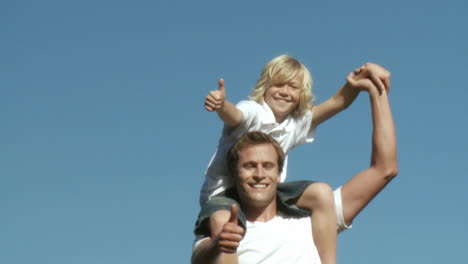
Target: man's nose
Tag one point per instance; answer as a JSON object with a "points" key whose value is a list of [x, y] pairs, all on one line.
{"points": [[259, 173]]}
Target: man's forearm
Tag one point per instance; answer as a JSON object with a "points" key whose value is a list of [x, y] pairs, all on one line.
{"points": [[207, 253], [384, 149]]}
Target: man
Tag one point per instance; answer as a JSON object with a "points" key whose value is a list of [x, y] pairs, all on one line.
{"points": [[274, 234]]}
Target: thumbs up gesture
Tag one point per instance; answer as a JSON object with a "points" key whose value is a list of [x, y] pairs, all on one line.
{"points": [[232, 233], [216, 98]]}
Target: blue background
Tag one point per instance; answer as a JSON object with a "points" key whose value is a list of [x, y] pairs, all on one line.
{"points": [[104, 139]]}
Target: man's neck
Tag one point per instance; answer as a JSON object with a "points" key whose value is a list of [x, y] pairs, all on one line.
{"points": [[260, 214]]}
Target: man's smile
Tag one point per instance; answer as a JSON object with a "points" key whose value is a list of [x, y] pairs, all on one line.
{"points": [[258, 185]]}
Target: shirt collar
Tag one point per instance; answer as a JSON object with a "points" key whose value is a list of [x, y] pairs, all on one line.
{"points": [[269, 119], [268, 116]]}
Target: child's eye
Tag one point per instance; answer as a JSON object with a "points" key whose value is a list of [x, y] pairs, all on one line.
{"points": [[294, 86]]}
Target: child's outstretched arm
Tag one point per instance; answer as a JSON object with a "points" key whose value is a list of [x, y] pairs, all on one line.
{"points": [[228, 112], [346, 95]]}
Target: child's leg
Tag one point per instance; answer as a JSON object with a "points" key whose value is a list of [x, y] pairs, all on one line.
{"points": [[318, 199]]}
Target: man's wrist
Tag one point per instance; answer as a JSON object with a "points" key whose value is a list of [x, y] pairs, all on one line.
{"points": [[374, 92], [206, 251]]}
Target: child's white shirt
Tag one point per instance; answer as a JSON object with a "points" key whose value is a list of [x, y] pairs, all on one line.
{"points": [[257, 117]]}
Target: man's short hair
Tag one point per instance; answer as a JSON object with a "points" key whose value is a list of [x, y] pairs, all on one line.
{"points": [[251, 139]]}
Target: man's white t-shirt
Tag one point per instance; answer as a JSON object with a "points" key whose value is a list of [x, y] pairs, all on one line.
{"points": [[283, 239]]}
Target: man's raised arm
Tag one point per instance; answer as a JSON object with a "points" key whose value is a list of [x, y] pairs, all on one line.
{"points": [[364, 186]]}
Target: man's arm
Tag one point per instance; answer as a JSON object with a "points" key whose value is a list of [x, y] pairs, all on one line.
{"points": [[364, 186], [208, 253], [228, 112], [221, 248], [205, 252]]}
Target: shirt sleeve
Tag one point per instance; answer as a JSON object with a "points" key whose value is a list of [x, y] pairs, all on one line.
{"points": [[341, 225], [250, 118]]}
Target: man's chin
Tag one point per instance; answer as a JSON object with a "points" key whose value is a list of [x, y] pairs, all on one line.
{"points": [[258, 200]]}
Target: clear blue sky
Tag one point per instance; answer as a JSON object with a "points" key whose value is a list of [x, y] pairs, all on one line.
{"points": [[104, 139]]}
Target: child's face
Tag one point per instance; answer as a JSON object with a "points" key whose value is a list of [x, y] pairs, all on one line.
{"points": [[283, 97]]}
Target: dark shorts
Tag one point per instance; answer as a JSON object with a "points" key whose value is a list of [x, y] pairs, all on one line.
{"points": [[287, 195]]}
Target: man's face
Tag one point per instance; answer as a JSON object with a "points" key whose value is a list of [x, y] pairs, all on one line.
{"points": [[258, 175]]}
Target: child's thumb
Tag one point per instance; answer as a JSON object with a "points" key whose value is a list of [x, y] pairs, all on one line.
{"points": [[234, 211]]}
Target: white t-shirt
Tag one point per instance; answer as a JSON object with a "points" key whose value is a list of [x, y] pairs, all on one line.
{"points": [[280, 240], [257, 117], [341, 225]]}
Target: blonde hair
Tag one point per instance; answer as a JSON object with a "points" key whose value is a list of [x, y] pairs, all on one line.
{"points": [[283, 69]]}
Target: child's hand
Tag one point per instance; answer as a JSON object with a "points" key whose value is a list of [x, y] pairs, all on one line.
{"points": [[215, 99], [363, 84], [377, 74]]}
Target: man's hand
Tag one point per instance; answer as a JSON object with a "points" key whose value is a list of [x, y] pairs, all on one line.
{"points": [[232, 233], [216, 98], [379, 76]]}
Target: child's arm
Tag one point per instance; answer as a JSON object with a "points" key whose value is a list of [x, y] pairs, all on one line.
{"points": [[228, 112], [335, 104], [347, 94]]}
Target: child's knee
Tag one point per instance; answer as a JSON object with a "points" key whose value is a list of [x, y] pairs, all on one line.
{"points": [[320, 189], [317, 194]]}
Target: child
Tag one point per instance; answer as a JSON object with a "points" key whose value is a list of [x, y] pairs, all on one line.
{"points": [[280, 105]]}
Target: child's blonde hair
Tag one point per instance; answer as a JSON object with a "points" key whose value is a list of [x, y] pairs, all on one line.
{"points": [[283, 69]]}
